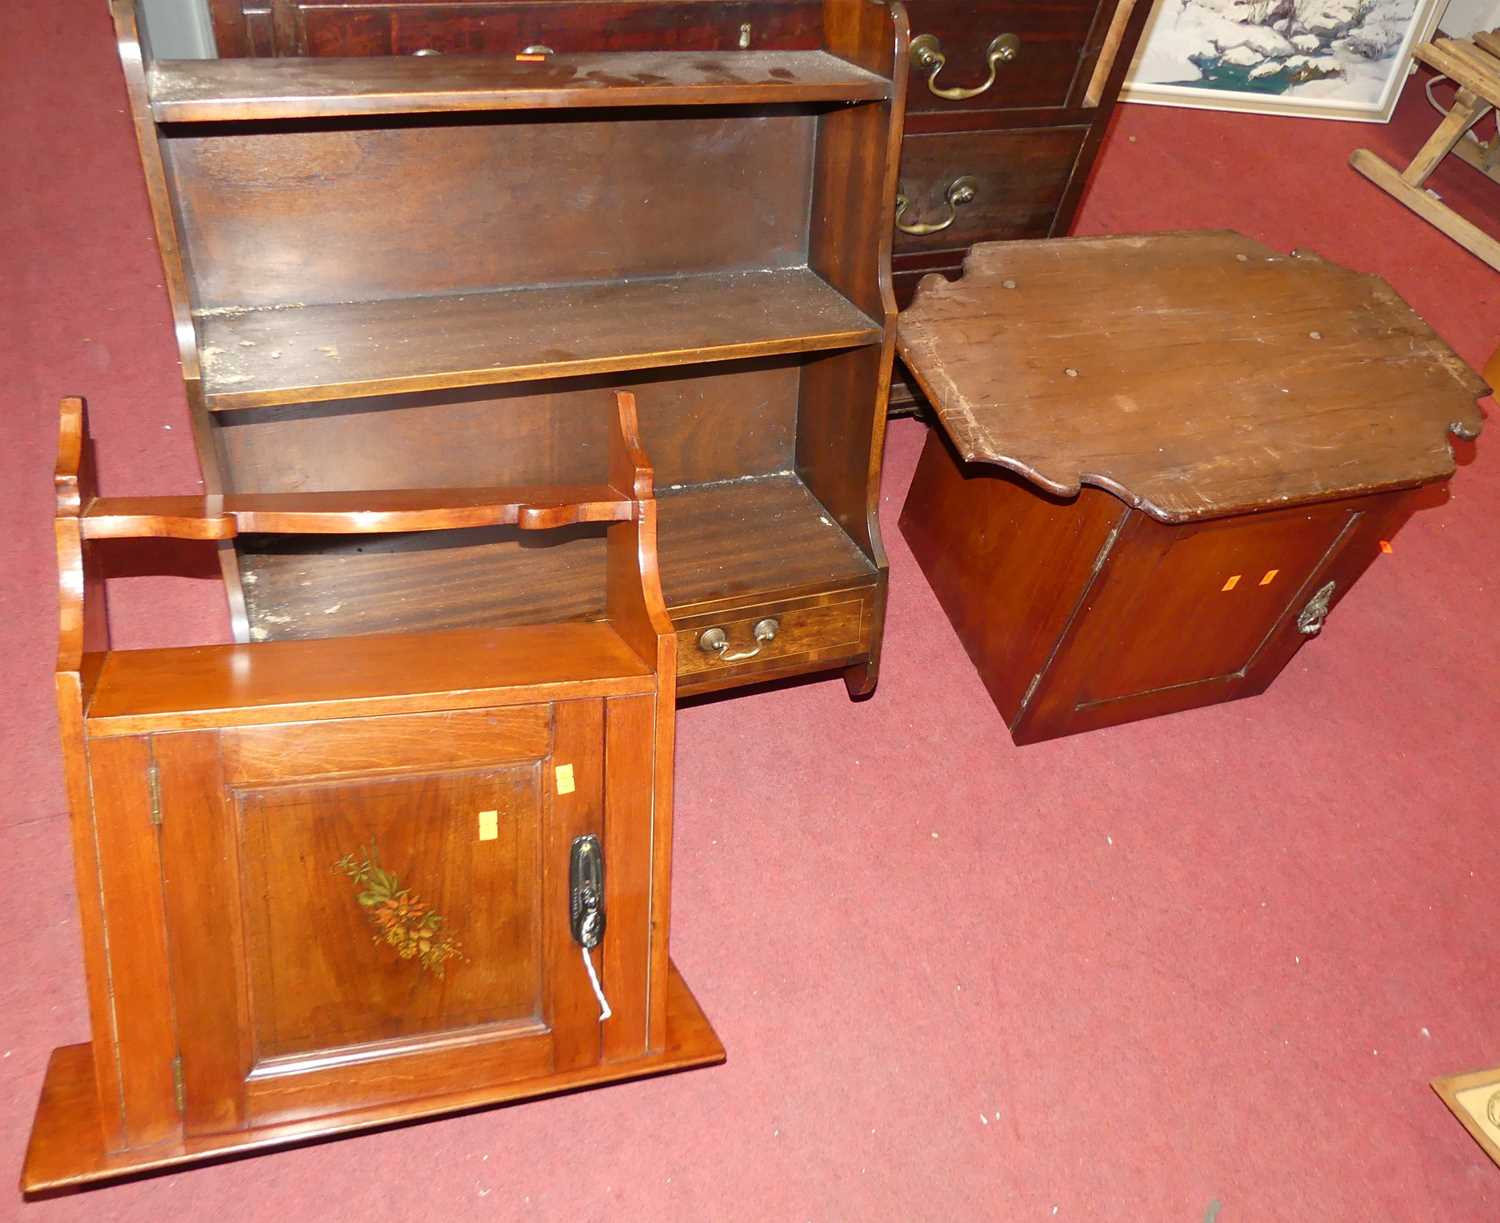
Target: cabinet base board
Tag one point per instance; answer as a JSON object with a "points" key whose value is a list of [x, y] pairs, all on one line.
{"points": [[66, 1150]]}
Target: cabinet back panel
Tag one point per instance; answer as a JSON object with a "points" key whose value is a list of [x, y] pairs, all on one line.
{"points": [[333, 212], [712, 422]]}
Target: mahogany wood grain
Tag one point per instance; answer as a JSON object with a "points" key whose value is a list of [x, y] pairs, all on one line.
{"points": [[189, 687], [744, 539], [449, 740], [437, 509], [198, 91], [1211, 469], [308, 943], [202, 878], [639, 785], [635, 912], [974, 532], [692, 421], [338, 893], [687, 224], [312, 353], [515, 1054], [64, 1152], [1047, 62], [1248, 635], [361, 27], [377, 219], [1020, 177], [632, 580], [824, 629], [83, 626], [573, 1013], [1032, 366], [854, 192], [141, 1036]]}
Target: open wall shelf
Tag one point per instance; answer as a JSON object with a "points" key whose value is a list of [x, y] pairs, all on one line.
{"points": [[258, 357], [213, 90], [418, 274]]}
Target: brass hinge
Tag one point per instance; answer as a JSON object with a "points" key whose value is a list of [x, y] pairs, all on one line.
{"points": [[179, 1088], [153, 784]]}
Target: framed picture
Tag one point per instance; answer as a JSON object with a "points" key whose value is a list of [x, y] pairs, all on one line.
{"points": [[1475, 1100], [1321, 59]]}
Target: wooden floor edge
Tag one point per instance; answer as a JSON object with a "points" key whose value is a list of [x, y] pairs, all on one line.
{"points": [[66, 1151]]}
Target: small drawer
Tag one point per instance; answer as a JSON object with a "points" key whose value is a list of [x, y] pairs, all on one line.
{"points": [[770, 637], [991, 56], [967, 187]]}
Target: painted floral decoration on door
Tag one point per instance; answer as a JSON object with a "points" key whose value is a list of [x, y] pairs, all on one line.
{"points": [[400, 918]]}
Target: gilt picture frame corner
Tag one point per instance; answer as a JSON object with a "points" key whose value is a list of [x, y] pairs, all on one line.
{"points": [[1474, 1098], [1313, 59]]}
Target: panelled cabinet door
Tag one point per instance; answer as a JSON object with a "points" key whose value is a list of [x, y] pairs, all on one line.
{"points": [[1212, 611], [345, 931]]}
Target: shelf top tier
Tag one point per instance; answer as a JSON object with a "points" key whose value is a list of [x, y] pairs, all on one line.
{"points": [[198, 91], [256, 358]]}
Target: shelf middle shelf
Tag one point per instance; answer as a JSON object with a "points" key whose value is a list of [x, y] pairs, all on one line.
{"points": [[261, 357]]}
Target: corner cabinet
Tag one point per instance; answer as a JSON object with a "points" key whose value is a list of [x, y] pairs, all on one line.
{"points": [[431, 271], [336, 883]]}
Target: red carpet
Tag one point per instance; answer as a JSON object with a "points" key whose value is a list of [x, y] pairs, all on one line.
{"points": [[1211, 959]]}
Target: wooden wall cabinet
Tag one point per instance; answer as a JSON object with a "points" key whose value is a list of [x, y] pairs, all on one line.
{"points": [[432, 271], [326, 884]]}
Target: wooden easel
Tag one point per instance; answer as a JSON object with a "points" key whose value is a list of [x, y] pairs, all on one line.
{"points": [[1474, 66]]}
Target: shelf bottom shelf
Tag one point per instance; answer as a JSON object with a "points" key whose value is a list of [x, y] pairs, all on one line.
{"points": [[66, 1150]]}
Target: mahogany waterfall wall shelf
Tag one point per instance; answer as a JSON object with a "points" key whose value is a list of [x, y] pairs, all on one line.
{"points": [[419, 272], [330, 884]]}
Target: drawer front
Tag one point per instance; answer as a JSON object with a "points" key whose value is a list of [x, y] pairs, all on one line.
{"points": [[1042, 44], [499, 28], [824, 629], [967, 187]]}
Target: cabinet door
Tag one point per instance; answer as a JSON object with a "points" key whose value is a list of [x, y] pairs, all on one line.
{"points": [[1186, 616], [377, 909]]}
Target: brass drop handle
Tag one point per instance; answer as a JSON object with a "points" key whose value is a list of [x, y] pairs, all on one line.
{"points": [[927, 55], [960, 191], [716, 641], [1310, 618]]}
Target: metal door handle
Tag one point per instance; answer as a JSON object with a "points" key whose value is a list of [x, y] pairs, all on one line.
{"points": [[927, 55], [1310, 618], [960, 191]]}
